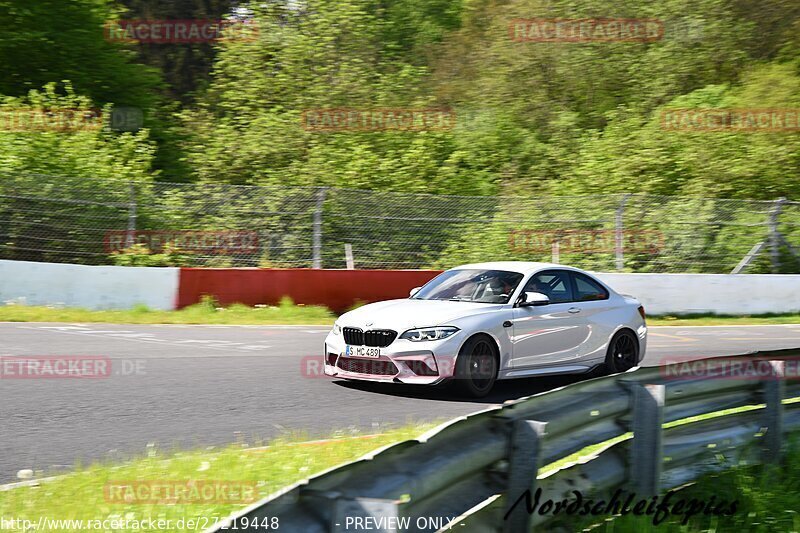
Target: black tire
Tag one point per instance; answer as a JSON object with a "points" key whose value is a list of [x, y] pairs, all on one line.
{"points": [[623, 352], [476, 367]]}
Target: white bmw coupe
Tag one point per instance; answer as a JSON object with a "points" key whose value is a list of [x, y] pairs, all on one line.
{"points": [[475, 324]]}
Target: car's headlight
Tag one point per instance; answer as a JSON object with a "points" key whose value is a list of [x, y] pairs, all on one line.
{"points": [[429, 334], [336, 328]]}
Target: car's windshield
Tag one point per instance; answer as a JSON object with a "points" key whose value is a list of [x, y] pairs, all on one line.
{"points": [[471, 285]]}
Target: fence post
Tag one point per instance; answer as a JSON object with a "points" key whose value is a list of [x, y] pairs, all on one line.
{"points": [[522, 470], [746, 260], [619, 233], [130, 238], [316, 252], [774, 391], [646, 448], [556, 253], [774, 235], [348, 256]]}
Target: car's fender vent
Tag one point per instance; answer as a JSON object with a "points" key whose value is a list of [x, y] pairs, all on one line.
{"points": [[421, 368]]}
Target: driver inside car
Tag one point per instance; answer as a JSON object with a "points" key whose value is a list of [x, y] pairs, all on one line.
{"points": [[496, 290]]}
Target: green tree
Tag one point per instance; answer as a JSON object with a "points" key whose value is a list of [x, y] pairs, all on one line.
{"points": [[637, 154], [184, 66], [50, 40], [64, 218], [248, 127]]}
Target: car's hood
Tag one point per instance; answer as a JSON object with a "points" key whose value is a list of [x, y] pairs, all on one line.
{"points": [[401, 315]]}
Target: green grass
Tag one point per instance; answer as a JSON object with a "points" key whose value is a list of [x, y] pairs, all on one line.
{"points": [[206, 312], [766, 496], [722, 320], [80, 494]]}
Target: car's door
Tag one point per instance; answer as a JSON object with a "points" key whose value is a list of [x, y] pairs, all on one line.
{"points": [[593, 300], [549, 333]]}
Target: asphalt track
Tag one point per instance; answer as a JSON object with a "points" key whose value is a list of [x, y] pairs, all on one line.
{"points": [[191, 386]]}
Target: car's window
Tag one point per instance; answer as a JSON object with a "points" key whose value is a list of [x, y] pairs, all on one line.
{"points": [[587, 289], [471, 285], [553, 283]]}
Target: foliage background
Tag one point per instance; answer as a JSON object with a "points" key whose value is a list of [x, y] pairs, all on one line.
{"points": [[533, 119]]}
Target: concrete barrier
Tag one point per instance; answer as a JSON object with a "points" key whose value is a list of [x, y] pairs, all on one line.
{"points": [[111, 287], [722, 294], [91, 287]]}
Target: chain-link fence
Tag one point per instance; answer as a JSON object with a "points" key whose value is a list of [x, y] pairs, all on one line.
{"points": [[44, 218]]}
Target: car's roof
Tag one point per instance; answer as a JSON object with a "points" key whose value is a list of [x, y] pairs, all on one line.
{"points": [[523, 267]]}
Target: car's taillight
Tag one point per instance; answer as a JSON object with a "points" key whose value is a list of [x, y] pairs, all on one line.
{"points": [[641, 312]]}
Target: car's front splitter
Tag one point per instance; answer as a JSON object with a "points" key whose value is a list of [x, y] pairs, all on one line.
{"points": [[418, 364]]}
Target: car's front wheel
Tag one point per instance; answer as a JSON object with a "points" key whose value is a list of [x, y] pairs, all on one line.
{"points": [[476, 367], [623, 352]]}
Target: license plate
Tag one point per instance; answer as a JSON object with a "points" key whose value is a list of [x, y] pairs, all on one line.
{"points": [[362, 351]]}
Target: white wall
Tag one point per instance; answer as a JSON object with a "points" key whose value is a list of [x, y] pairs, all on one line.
{"points": [[111, 287], [92, 287], [710, 293]]}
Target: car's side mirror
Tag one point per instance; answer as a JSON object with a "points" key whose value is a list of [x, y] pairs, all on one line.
{"points": [[530, 299], [413, 291]]}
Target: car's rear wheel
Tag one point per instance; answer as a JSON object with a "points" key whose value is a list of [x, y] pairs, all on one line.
{"points": [[623, 352], [476, 367]]}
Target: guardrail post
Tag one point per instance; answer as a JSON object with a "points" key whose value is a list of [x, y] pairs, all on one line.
{"points": [[522, 470], [646, 448], [774, 391]]}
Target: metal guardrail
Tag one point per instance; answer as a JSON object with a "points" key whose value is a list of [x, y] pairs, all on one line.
{"points": [[463, 471]]}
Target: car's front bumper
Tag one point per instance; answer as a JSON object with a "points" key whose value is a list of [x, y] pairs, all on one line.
{"points": [[403, 361]]}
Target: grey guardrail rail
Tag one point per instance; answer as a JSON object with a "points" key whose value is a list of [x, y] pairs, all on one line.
{"points": [[463, 472]]}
